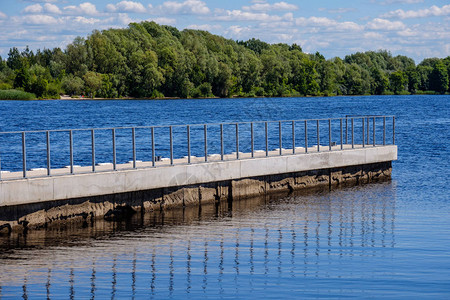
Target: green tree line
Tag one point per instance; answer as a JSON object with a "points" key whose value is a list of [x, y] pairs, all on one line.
{"points": [[152, 61]]}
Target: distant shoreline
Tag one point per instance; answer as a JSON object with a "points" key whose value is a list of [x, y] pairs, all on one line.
{"points": [[69, 98]]}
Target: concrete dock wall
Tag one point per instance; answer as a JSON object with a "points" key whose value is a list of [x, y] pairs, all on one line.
{"points": [[40, 201]]}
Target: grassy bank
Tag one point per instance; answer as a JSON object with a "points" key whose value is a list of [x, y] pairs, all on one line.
{"points": [[16, 95]]}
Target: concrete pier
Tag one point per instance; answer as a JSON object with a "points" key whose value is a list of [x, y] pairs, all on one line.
{"points": [[38, 201]]}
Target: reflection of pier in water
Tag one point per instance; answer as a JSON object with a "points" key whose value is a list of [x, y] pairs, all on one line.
{"points": [[213, 249]]}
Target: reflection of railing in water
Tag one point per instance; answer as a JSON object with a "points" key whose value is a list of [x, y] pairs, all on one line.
{"points": [[105, 149], [298, 238]]}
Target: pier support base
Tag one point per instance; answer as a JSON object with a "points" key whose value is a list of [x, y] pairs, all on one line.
{"points": [[44, 214]]}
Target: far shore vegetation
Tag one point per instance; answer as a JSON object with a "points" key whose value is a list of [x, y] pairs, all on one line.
{"points": [[147, 60], [16, 95]]}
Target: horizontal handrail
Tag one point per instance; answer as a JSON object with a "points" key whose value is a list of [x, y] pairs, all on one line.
{"points": [[368, 116], [195, 124]]}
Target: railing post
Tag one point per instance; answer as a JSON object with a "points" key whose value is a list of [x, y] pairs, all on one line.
{"points": [[47, 134], [342, 141], [24, 155], [221, 142], [0, 168], [318, 137], [114, 147], [153, 146], [267, 138], [368, 131], [133, 134], [384, 130], [171, 144], [353, 140], [280, 138], [293, 137], [252, 140], [363, 132], [373, 129], [71, 150], [306, 136], [393, 130], [205, 131], [346, 130], [237, 140], [329, 134], [188, 130], [93, 149]]}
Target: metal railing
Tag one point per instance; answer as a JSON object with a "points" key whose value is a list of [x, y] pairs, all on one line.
{"points": [[183, 144]]}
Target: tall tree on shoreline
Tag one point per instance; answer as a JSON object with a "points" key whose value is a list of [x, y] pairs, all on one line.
{"points": [[439, 78]]}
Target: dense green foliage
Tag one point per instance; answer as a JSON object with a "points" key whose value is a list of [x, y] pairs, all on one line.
{"points": [[149, 60], [16, 95]]}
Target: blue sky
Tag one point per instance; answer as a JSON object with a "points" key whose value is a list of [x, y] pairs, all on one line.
{"points": [[415, 28]]}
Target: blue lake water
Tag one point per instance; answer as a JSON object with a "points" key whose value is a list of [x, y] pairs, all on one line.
{"points": [[389, 240]]}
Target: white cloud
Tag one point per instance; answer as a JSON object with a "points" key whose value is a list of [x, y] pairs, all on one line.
{"points": [[85, 8], [237, 31], [84, 20], [348, 26], [52, 9], [117, 21], [38, 9], [239, 15], [340, 10], [447, 49], [43, 38], [3, 15], [111, 7], [124, 19], [373, 35], [281, 25], [270, 7], [40, 20], [42, 1], [408, 32], [401, 2], [285, 37], [424, 33], [195, 7], [317, 43], [88, 8], [164, 21], [383, 24], [433, 11], [315, 21], [33, 9], [127, 6], [206, 27], [328, 24]]}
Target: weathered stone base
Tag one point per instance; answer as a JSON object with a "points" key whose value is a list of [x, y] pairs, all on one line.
{"points": [[38, 215]]}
